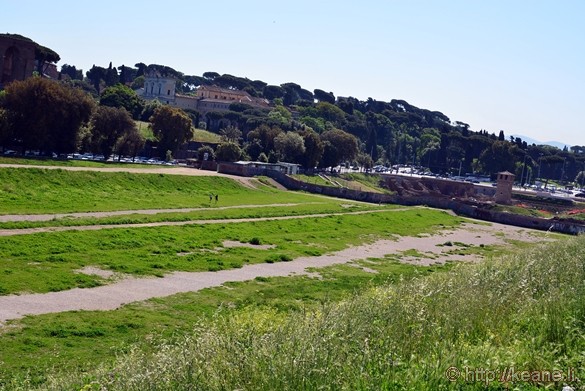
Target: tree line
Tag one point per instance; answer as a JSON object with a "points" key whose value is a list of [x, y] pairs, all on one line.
{"points": [[311, 128]]}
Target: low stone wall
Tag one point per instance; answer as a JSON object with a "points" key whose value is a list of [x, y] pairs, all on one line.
{"points": [[551, 225], [466, 209], [434, 199]]}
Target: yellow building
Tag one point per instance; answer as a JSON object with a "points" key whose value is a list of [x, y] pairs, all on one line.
{"points": [[208, 98]]}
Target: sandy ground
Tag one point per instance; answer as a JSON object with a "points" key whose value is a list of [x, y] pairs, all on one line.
{"points": [[124, 289]]}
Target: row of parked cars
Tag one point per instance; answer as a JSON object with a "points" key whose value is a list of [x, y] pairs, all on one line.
{"points": [[94, 157], [120, 159]]}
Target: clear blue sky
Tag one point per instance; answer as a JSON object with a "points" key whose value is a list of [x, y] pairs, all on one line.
{"points": [[512, 65]]}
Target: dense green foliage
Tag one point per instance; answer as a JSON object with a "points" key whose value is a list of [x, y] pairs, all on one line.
{"points": [[376, 132], [172, 127], [113, 128], [45, 115]]}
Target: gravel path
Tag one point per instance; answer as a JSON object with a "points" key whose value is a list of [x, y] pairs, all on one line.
{"points": [[130, 289], [49, 216], [29, 231]]}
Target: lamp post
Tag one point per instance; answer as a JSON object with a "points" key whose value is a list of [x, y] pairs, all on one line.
{"points": [[539, 163]]}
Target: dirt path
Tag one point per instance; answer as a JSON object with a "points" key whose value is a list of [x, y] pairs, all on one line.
{"points": [[130, 289], [49, 216], [29, 231]]}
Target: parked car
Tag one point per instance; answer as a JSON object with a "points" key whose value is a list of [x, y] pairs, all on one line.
{"points": [[582, 195]]}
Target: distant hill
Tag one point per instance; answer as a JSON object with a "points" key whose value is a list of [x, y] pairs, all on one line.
{"points": [[531, 141]]}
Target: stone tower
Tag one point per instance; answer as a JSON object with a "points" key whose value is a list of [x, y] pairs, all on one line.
{"points": [[504, 182], [17, 58]]}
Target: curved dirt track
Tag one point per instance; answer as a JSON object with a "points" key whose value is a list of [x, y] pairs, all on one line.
{"points": [[29, 231], [130, 289], [51, 216]]}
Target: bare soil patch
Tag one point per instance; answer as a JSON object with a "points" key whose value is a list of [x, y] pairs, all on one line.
{"points": [[90, 270], [233, 243]]}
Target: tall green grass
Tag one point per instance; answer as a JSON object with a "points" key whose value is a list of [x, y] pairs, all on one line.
{"points": [[524, 311]]}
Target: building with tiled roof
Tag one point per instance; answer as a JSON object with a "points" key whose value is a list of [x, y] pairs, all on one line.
{"points": [[208, 98]]}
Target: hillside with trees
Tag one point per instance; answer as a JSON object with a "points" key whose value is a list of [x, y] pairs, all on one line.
{"points": [[315, 129]]}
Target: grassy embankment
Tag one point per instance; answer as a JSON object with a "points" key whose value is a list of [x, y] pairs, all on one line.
{"points": [[28, 191], [200, 135], [354, 181], [36, 347]]}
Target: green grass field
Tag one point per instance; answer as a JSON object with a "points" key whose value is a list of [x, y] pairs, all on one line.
{"points": [[377, 324], [209, 212], [31, 190], [46, 262]]}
